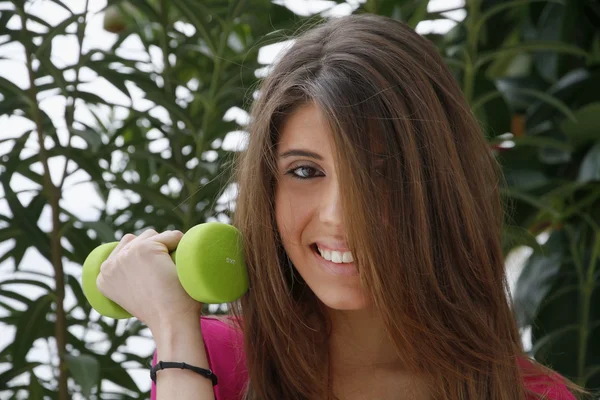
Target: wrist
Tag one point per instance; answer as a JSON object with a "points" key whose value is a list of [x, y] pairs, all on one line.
{"points": [[171, 331], [175, 322], [181, 341]]}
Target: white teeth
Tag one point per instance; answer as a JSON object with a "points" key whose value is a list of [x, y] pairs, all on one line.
{"points": [[348, 257], [337, 256]]}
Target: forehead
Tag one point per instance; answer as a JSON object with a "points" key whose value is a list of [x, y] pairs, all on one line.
{"points": [[305, 127]]}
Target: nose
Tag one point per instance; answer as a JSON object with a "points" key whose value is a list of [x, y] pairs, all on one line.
{"points": [[330, 212]]}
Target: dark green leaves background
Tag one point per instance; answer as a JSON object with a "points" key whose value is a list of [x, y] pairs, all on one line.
{"points": [[529, 69]]}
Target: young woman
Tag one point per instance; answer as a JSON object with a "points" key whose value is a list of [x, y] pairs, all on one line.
{"points": [[368, 201]]}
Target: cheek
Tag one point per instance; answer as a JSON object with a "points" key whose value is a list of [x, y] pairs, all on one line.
{"points": [[292, 214], [283, 214], [290, 210]]}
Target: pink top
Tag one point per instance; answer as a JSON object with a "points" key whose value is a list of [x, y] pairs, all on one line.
{"points": [[225, 350]]}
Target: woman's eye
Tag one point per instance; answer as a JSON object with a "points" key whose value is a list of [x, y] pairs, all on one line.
{"points": [[302, 172]]}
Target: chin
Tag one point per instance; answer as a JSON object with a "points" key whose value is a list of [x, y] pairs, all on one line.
{"points": [[336, 292], [342, 298]]}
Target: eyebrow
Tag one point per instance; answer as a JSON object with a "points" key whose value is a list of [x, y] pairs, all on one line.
{"points": [[300, 153]]}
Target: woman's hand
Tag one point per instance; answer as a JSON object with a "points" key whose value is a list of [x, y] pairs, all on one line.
{"points": [[141, 277]]}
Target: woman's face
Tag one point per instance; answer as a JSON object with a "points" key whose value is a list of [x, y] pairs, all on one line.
{"points": [[308, 211]]}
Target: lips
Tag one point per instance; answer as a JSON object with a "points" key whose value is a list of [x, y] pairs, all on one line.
{"points": [[334, 247]]}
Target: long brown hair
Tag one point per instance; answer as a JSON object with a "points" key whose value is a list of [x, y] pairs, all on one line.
{"points": [[425, 232]]}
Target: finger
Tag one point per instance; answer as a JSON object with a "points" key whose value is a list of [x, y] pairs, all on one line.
{"points": [[144, 235], [122, 243], [148, 233], [169, 238]]}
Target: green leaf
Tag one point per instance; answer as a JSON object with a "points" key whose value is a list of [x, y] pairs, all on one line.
{"points": [[78, 293], [59, 29], [514, 236], [525, 179], [503, 6], [10, 232], [28, 220], [48, 68], [536, 279], [81, 242], [591, 372], [553, 101], [9, 105], [542, 349], [558, 47], [116, 373], [418, 15], [10, 89], [29, 328], [9, 308], [587, 125], [115, 78], [27, 282], [553, 156], [91, 98], [590, 166], [17, 253], [92, 138], [549, 26], [196, 13], [563, 331], [15, 296], [530, 200], [89, 164], [535, 141], [154, 197], [85, 369], [484, 98], [15, 371], [151, 9], [36, 390], [161, 98], [492, 112], [576, 88], [104, 230], [165, 165], [143, 361], [61, 4], [133, 328]]}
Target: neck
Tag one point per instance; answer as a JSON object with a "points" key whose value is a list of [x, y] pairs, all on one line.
{"points": [[358, 341]]}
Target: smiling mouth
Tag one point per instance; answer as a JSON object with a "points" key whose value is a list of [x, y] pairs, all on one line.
{"points": [[333, 268], [330, 257]]}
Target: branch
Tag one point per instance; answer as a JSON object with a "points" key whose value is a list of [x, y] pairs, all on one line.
{"points": [[53, 197]]}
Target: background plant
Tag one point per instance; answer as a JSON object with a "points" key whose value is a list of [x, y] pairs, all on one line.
{"points": [[528, 68]]}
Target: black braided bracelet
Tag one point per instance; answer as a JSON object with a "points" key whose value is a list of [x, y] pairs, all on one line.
{"points": [[207, 373]]}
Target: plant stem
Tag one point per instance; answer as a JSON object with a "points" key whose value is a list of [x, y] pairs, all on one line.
{"points": [[587, 291], [471, 50], [164, 42], [70, 106], [53, 198], [176, 154], [208, 113]]}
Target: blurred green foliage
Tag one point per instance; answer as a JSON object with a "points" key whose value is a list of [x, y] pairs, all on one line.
{"points": [[529, 69]]}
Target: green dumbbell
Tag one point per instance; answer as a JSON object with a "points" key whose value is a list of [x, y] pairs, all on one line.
{"points": [[210, 265]]}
